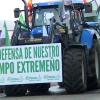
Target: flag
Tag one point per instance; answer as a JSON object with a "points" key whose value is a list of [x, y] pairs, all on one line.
{"points": [[87, 1], [22, 19], [5, 35], [30, 4]]}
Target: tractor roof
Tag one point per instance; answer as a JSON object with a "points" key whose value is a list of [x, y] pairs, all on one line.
{"points": [[47, 4]]}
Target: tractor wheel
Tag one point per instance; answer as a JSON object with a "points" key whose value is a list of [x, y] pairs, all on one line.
{"points": [[15, 90], [41, 88], [74, 69], [94, 64]]}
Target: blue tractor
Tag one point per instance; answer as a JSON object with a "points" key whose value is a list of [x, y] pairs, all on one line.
{"points": [[34, 32], [65, 24], [80, 48]]}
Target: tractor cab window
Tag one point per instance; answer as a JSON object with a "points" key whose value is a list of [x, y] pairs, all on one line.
{"points": [[43, 16]]}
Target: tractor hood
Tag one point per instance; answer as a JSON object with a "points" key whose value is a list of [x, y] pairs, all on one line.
{"points": [[39, 32]]}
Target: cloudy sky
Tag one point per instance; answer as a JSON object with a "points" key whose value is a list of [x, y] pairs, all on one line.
{"points": [[7, 7]]}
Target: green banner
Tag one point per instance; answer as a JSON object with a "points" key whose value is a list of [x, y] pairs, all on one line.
{"points": [[30, 64]]}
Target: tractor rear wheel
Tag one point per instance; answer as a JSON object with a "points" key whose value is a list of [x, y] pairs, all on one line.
{"points": [[74, 70], [94, 64]]}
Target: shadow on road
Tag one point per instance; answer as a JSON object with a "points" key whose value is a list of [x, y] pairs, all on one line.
{"points": [[55, 90]]}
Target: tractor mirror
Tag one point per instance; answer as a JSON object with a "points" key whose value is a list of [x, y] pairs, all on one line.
{"points": [[16, 12]]}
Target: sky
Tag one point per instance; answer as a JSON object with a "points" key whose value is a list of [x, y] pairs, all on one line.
{"points": [[7, 8]]}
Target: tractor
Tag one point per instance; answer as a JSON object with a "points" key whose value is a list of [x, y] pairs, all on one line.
{"points": [[32, 33], [80, 48], [64, 24]]}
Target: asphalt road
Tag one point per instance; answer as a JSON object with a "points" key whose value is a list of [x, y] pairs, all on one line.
{"points": [[57, 94]]}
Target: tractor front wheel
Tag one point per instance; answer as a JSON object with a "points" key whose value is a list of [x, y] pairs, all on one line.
{"points": [[94, 64], [74, 70]]}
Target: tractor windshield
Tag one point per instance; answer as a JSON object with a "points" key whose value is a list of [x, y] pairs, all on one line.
{"points": [[43, 16]]}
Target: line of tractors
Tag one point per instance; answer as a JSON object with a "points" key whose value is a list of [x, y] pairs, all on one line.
{"points": [[65, 23]]}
